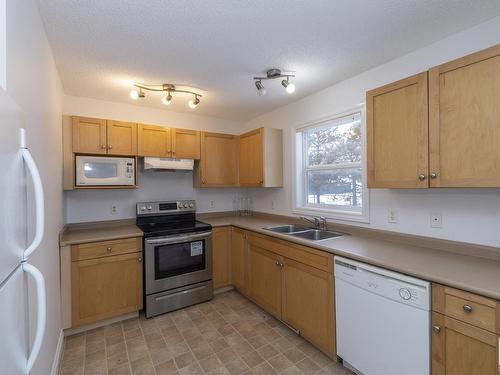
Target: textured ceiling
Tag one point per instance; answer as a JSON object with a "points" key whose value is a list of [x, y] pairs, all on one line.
{"points": [[101, 46]]}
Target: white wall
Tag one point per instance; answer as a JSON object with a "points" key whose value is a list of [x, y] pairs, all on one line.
{"points": [[33, 82], [469, 215], [95, 205]]}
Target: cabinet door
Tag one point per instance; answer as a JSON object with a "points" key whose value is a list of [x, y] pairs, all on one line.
{"points": [[461, 349], [264, 279], [185, 144], [238, 259], [105, 287], [221, 241], [153, 141], [122, 138], [464, 125], [397, 134], [89, 135], [308, 305], [219, 160], [252, 158]]}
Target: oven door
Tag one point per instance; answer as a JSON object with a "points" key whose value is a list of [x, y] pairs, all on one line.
{"points": [[177, 260]]}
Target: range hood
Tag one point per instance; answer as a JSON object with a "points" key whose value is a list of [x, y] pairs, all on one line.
{"points": [[168, 164]]}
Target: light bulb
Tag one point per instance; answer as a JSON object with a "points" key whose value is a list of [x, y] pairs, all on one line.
{"points": [[134, 94], [260, 88], [290, 88], [194, 103], [167, 99]]}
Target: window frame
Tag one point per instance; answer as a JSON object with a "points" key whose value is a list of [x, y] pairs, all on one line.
{"points": [[300, 181]]}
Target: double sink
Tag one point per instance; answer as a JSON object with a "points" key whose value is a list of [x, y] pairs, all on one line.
{"points": [[307, 233]]}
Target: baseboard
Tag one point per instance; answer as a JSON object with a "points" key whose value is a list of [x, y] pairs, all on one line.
{"points": [[57, 355], [102, 323], [223, 289]]}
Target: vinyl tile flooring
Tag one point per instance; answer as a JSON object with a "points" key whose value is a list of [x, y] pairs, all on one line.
{"points": [[227, 335]]}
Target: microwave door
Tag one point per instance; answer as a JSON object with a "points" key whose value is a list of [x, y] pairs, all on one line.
{"points": [[104, 171]]}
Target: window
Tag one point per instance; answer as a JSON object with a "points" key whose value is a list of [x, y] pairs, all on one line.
{"points": [[330, 175]]}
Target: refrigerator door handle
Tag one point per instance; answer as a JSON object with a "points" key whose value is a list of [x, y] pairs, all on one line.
{"points": [[39, 200], [41, 314]]}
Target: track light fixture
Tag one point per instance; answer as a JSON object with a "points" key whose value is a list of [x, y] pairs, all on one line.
{"points": [[273, 74], [167, 89]]}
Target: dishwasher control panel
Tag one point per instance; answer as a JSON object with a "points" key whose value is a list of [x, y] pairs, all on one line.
{"points": [[398, 287]]}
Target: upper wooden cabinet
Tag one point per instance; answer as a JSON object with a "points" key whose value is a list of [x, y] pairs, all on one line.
{"points": [[96, 136], [186, 144], [397, 129], [261, 158], [451, 142], [89, 135], [153, 141], [464, 118], [218, 165]]}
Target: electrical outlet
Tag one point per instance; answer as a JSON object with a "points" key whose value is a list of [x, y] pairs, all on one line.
{"points": [[114, 210], [392, 216], [436, 220], [212, 204]]}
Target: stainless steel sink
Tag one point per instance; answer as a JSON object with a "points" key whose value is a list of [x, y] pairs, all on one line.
{"points": [[316, 234], [290, 228]]}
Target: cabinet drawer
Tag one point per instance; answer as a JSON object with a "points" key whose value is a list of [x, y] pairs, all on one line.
{"points": [[467, 307], [105, 248]]}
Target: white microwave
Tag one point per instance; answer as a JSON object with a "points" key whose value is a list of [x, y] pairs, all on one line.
{"points": [[104, 171]]}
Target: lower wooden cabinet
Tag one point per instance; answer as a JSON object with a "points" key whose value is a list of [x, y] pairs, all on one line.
{"points": [[308, 303], [221, 260], [105, 286], [238, 259], [264, 279], [459, 348]]}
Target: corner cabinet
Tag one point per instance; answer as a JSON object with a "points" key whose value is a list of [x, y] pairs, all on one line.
{"points": [[261, 158], [452, 141], [465, 330], [218, 166]]}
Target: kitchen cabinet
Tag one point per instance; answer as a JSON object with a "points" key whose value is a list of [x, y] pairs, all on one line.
{"points": [[308, 305], [218, 166], [186, 144], [465, 330], [264, 279], [106, 280], [464, 121], [261, 158], [397, 134], [221, 246], [239, 259], [96, 136], [153, 141]]}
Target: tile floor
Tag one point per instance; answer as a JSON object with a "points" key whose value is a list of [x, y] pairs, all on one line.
{"points": [[228, 335]]}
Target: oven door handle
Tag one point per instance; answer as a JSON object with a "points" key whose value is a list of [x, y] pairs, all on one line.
{"points": [[178, 239]]}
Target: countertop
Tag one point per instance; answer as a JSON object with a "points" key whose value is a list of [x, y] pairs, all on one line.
{"points": [[476, 274]]}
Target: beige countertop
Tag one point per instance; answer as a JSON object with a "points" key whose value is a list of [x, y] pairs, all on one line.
{"points": [[471, 273], [458, 269]]}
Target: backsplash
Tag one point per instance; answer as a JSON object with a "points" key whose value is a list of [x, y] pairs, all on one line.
{"points": [[97, 205]]}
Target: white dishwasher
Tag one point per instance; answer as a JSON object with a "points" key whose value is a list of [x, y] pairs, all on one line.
{"points": [[382, 319]]}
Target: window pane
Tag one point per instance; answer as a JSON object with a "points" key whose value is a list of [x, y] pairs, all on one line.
{"points": [[340, 187], [337, 143]]}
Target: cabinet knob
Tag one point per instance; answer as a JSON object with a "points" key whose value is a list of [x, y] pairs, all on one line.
{"points": [[282, 265], [139, 260], [421, 177], [434, 175], [467, 308], [436, 329], [110, 147], [109, 248], [277, 263], [103, 147]]}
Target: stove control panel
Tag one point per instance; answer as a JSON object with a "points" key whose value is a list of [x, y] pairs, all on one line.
{"points": [[165, 207]]}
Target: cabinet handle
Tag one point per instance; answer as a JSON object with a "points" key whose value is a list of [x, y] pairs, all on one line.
{"points": [[110, 147], [277, 263], [434, 175], [421, 177], [436, 329], [282, 265], [103, 147], [139, 260], [109, 248], [467, 308]]}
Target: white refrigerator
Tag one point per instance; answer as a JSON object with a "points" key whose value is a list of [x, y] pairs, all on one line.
{"points": [[18, 351]]}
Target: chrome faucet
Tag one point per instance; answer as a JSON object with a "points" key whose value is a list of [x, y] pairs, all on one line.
{"points": [[318, 222]]}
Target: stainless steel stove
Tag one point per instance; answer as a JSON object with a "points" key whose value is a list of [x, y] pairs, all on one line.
{"points": [[177, 256]]}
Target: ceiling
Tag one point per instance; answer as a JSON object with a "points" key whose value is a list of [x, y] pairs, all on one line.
{"points": [[217, 46]]}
